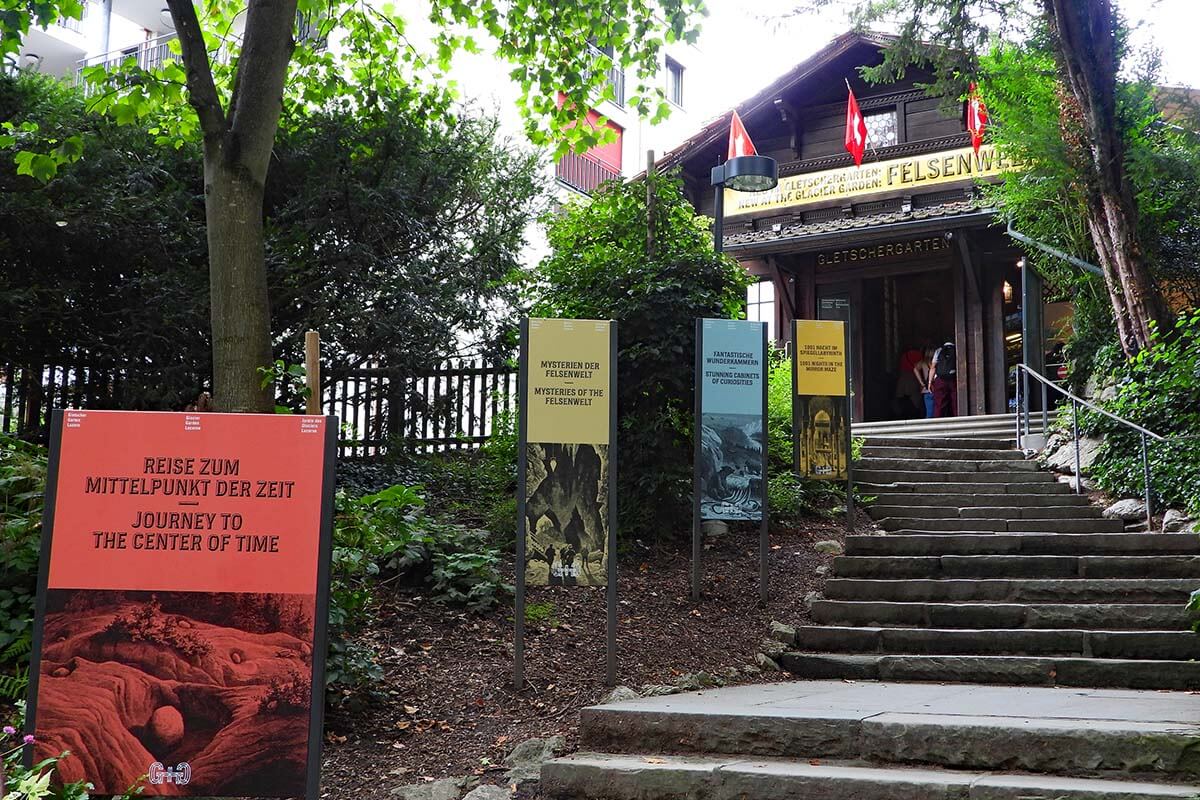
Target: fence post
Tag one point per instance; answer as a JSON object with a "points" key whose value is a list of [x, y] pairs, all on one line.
{"points": [[1146, 471], [1075, 433], [312, 371]]}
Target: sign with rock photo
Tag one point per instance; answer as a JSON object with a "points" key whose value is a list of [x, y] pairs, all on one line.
{"points": [[567, 407], [180, 630], [820, 411], [731, 445]]}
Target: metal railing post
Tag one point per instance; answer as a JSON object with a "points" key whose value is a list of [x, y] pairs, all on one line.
{"points": [[1025, 397], [1018, 404], [1045, 409], [1146, 470], [1075, 433]]}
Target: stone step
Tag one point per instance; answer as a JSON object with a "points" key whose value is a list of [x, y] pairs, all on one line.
{"points": [[666, 777], [1060, 590], [952, 478], [887, 449], [960, 727], [1111, 644], [1002, 525], [1112, 616], [881, 511], [927, 444], [950, 466], [1002, 427], [926, 488], [917, 544], [1017, 566], [978, 500], [1008, 670]]}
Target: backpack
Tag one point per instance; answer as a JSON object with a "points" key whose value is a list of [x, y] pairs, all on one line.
{"points": [[947, 361]]}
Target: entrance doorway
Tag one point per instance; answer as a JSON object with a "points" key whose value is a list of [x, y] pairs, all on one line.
{"points": [[901, 314]]}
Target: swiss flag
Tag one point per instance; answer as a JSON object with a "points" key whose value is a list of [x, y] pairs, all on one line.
{"points": [[977, 117], [739, 140], [856, 130]]}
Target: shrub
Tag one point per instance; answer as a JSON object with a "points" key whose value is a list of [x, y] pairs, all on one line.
{"points": [[389, 533], [599, 268], [147, 623], [1158, 389], [22, 482]]}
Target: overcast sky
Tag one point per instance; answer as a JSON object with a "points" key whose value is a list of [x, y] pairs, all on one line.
{"points": [[742, 51]]}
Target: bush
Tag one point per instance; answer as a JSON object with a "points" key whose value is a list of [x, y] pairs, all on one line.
{"points": [[22, 482], [1158, 389], [600, 269], [389, 533]]}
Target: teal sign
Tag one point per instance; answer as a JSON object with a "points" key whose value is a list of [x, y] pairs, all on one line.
{"points": [[732, 440]]}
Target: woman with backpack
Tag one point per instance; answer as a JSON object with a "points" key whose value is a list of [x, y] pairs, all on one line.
{"points": [[944, 381]]}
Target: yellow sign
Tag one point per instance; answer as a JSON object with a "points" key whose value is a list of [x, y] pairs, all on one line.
{"points": [[567, 398], [820, 357], [914, 172]]}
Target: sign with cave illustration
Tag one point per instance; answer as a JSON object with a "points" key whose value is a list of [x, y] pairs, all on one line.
{"points": [[730, 454], [821, 418], [568, 409], [180, 633]]}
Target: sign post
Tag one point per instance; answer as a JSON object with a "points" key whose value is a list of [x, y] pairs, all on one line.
{"points": [[730, 463], [821, 412], [182, 602], [566, 494]]}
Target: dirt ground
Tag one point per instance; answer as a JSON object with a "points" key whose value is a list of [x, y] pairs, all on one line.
{"points": [[447, 707]]}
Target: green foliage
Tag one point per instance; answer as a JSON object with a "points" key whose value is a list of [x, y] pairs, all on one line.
{"points": [[22, 482], [541, 613], [1158, 389], [600, 269], [110, 254], [388, 535]]}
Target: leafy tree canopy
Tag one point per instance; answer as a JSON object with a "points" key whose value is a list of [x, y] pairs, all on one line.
{"points": [[394, 236]]}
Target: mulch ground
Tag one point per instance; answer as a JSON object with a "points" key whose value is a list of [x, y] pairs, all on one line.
{"points": [[447, 707]]}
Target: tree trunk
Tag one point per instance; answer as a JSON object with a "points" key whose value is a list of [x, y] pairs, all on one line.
{"points": [[1088, 61], [240, 313], [237, 152]]}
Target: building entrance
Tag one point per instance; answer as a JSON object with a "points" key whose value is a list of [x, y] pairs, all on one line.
{"points": [[903, 318]]}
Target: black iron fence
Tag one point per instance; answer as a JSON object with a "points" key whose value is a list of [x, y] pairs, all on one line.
{"points": [[457, 405]]}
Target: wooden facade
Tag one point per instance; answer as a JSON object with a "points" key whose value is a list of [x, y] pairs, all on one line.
{"points": [[904, 247]]}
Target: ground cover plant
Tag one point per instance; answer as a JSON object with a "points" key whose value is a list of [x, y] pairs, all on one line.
{"points": [[1158, 389], [22, 482]]}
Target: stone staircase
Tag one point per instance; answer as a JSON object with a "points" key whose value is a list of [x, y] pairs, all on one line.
{"points": [[944, 659], [992, 571]]}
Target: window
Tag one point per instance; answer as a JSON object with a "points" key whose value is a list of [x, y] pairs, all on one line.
{"points": [[760, 305], [616, 73], [881, 128], [675, 82]]}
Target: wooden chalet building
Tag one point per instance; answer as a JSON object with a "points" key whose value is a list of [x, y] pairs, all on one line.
{"points": [[903, 247]]}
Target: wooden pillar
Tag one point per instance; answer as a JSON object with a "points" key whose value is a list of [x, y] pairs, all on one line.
{"points": [[997, 380], [961, 343], [806, 289]]}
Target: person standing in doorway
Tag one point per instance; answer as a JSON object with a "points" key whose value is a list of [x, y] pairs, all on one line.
{"points": [[944, 381], [924, 375]]}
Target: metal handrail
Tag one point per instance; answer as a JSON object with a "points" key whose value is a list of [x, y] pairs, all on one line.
{"points": [[1023, 375]]}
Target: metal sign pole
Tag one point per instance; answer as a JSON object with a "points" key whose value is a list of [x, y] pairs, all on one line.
{"points": [[764, 533], [849, 435], [697, 544], [612, 504], [522, 447]]}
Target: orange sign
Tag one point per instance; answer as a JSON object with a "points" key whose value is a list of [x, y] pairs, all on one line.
{"points": [[188, 502], [180, 632]]}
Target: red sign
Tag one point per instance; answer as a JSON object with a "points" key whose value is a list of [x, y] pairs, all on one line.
{"points": [[180, 632]]}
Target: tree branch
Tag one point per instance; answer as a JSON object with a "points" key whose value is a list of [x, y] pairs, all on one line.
{"points": [[202, 91], [257, 100]]}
